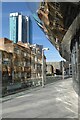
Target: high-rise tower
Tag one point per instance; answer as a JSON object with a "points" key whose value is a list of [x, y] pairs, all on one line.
{"points": [[19, 28]]}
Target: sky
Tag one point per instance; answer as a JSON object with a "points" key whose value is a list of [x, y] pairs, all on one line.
{"points": [[38, 36]]}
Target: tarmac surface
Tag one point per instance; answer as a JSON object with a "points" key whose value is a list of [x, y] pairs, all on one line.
{"points": [[55, 100]]}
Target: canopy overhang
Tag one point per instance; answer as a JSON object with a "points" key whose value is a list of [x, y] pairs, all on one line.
{"points": [[61, 20]]}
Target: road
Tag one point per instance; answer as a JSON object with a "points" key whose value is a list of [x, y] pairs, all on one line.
{"points": [[56, 100]]}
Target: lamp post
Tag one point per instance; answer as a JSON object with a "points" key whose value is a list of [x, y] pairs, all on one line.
{"points": [[43, 67], [69, 69], [63, 70]]}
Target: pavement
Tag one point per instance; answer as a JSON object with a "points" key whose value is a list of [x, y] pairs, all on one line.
{"points": [[55, 100]]}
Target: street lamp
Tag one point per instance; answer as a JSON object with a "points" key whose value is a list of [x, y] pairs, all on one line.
{"points": [[63, 70], [69, 68], [43, 67]]}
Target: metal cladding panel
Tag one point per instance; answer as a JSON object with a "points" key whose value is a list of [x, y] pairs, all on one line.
{"points": [[62, 23], [30, 31], [0, 73], [27, 18], [79, 68], [66, 42], [76, 64], [24, 29], [14, 14], [20, 28]]}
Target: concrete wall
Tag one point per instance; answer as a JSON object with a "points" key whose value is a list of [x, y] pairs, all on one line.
{"points": [[56, 65], [33, 82], [49, 79]]}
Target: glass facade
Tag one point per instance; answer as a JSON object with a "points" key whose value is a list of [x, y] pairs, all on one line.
{"points": [[30, 31], [19, 28], [24, 29], [14, 29], [76, 62]]}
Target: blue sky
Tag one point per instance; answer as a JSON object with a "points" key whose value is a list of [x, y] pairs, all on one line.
{"points": [[38, 36]]}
